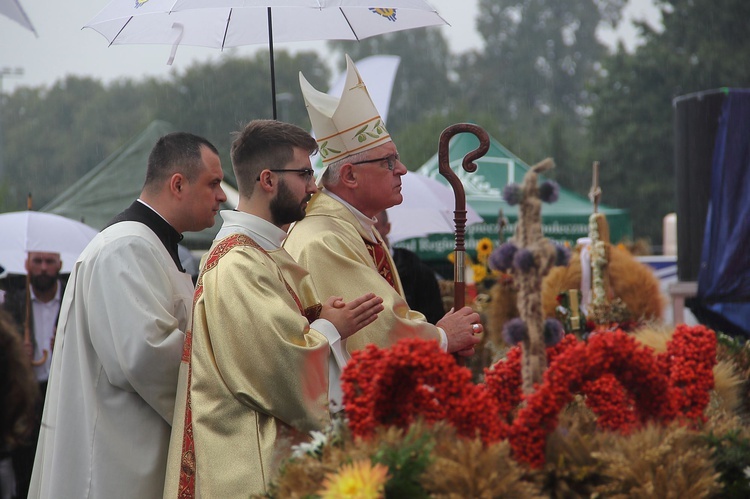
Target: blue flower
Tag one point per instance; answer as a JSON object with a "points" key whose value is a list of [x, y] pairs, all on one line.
{"points": [[549, 191], [562, 255], [553, 332], [512, 193], [502, 257], [523, 260], [514, 331]]}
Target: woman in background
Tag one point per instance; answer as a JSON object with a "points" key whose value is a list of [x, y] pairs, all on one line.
{"points": [[18, 396]]}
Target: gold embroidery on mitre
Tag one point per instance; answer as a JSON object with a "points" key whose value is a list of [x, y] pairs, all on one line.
{"points": [[344, 125]]}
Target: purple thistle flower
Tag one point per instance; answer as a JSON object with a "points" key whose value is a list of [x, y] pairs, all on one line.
{"points": [[514, 331], [553, 332], [562, 255], [523, 260], [549, 191], [512, 193], [502, 257]]}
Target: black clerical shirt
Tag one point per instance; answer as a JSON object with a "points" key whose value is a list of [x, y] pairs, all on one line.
{"points": [[139, 212]]}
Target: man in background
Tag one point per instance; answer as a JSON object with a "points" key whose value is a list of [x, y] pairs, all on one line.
{"points": [[110, 400], [337, 243], [421, 288], [36, 325]]}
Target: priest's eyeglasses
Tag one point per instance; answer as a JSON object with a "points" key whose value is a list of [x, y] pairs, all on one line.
{"points": [[391, 158], [306, 173]]}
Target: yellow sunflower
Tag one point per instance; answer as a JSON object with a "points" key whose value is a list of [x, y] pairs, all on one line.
{"points": [[480, 272], [360, 480], [484, 249]]}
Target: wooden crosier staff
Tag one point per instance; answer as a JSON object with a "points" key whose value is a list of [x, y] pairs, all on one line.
{"points": [[459, 214], [595, 194], [27, 321], [599, 221]]}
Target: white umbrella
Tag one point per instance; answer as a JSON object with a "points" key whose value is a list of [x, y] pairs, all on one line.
{"points": [[25, 231], [233, 23], [427, 209], [13, 10]]}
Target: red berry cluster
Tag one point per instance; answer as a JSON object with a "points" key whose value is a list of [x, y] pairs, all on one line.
{"points": [[689, 362], [415, 378], [625, 385]]}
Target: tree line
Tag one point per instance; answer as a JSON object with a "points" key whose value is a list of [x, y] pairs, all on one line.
{"points": [[542, 84]]}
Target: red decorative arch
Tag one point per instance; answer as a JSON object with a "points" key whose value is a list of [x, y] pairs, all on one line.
{"points": [[625, 384]]}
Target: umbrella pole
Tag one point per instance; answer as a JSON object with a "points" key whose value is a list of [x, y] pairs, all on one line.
{"points": [[459, 296], [27, 321], [27, 327], [273, 69]]}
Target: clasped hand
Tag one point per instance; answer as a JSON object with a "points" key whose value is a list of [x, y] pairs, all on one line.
{"points": [[348, 318]]}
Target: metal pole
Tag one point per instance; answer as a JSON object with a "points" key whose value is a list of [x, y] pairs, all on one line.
{"points": [[273, 69], [2, 151]]}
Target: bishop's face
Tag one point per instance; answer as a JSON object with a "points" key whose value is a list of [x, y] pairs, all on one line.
{"points": [[379, 179]]}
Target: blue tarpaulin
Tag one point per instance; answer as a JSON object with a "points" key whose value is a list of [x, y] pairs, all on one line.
{"points": [[723, 300]]}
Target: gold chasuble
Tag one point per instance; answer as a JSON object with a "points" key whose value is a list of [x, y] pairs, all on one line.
{"points": [[254, 376], [333, 246]]}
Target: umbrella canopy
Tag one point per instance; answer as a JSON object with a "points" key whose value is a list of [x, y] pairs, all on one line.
{"points": [[427, 209], [233, 23], [13, 10], [25, 231]]}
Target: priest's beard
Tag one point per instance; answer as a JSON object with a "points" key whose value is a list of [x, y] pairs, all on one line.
{"points": [[284, 208], [43, 282]]}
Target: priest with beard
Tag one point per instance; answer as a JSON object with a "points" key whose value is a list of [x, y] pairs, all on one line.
{"points": [[260, 368], [45, 291]]}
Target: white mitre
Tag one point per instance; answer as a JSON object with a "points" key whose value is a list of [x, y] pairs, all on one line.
{"points": [[344, 126]]}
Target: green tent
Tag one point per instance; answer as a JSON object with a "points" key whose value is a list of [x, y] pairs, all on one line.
{"points": [[113, 184], [565, 221]]}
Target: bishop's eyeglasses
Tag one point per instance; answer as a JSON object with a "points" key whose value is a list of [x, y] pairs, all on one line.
{"points": [[391, 159]]}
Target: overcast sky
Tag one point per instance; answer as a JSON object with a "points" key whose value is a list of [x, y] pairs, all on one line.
{"points": [[63, 48]]}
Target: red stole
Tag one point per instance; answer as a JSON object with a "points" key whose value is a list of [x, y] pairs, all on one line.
{"points": [[379, 254]]}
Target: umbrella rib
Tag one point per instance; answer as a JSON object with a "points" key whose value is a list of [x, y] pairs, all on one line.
{"points": [[121, 30], [350, 24], [226, 29]]}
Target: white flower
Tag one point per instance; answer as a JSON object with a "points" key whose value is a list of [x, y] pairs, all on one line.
{"points": [[318, 440], [315, 446]]}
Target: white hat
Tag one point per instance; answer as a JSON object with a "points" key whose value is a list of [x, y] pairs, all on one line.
{"points": [[344, 126]]}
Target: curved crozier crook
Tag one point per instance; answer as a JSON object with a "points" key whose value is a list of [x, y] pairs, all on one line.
{"points": [[459, 214]]}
